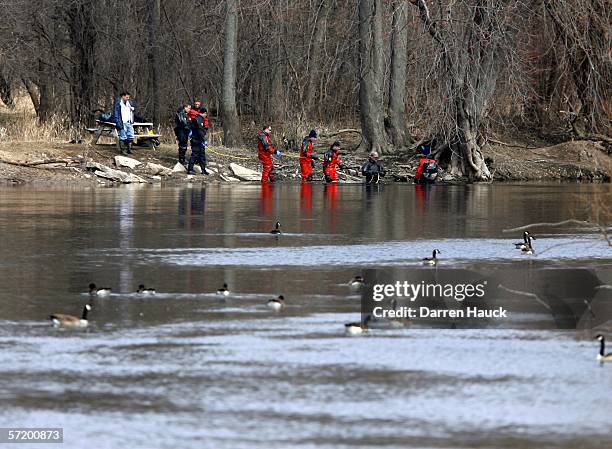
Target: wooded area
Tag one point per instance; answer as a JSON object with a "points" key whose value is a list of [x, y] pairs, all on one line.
{"points": [[410, 71]]}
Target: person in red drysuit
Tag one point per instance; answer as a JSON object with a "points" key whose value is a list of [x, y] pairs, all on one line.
{"points": [[427, 171], [331, 160], [306, 157], [265, 152], [193, 113]]}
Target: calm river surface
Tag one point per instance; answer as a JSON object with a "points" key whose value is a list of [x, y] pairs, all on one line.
{"points": [[184, 369]]}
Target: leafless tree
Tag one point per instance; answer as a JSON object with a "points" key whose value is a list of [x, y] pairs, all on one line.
{"points": [[371, 74], [229, 113], [398, 131]]}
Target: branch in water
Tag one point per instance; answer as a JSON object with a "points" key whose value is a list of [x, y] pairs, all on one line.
{"points": [[551, 225], [529, 295]]}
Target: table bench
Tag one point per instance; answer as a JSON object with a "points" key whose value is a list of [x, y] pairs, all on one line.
{"points": [[142, 132]]}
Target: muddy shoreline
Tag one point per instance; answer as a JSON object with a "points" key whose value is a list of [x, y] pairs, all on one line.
{"points": [[71, 164]]}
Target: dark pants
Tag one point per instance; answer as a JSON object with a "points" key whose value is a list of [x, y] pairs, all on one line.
{"points": [[371, 178], [198, 156], [182, 136]]}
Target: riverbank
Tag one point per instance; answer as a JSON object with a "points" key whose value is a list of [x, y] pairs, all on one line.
{"points": [[75, 164]]}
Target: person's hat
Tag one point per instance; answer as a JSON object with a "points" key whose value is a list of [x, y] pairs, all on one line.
{"points": [[312, 134], [374, 154]]}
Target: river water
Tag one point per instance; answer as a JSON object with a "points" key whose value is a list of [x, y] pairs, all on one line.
{"points": [[186, 369]]}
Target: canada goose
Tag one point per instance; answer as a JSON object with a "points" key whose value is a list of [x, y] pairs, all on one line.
{"points": [[525, 243], [60, 319], [521, 245], [432, 260], [98, 291], [357, 328], [602, 356], [528, 249], [276, 229], [223, 291], [356, 282], [145, 291], [276, 304]]}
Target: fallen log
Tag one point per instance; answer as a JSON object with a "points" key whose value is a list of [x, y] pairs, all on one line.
{"points": [[36, 164]]}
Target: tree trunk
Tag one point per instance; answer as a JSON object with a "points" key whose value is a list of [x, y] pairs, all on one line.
{"points": [[153, 58], [6, 91], [275, 96], [371, 75], [34, 94], [473, 164], [398, 132], [229, 114], [83, 40], [314, 60]]}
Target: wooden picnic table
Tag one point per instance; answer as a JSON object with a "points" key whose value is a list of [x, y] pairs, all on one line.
{"points": [[143, 132]]}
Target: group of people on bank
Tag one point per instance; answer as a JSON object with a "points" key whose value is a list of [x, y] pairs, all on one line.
{"points": [[372, 169], [191, 127], [192, 122]]}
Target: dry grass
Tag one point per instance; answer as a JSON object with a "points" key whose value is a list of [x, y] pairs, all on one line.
{"points": [[24, 127], [20, 124]]}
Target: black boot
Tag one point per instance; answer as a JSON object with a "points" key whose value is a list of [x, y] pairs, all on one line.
{"points": [[190, 168], [129, 147], [181, 155], [203, 167], [122, 145]]}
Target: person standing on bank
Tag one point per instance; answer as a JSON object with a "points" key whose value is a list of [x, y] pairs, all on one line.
{"points": [[181, 130], [123, 112], [372, 169], [199, 128], [331, 160], [265, 150], [306, 157]]}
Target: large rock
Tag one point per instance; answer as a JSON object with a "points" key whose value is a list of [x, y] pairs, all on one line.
{"points": [[245, 174], [122, 161], [178, 168], [156, 169], [104, 171], [228, 178]]}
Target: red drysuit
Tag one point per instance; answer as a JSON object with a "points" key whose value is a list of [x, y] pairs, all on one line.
{"points": [[422, 175], [265, 152], [306, 161], [331, 160]]}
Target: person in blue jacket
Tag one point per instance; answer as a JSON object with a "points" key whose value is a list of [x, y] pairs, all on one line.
{"points": [[123, 113], [199, 128]]}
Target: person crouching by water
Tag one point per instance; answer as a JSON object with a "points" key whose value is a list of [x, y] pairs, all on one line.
{"points": [[181, 130], [123, 113], [372, 169], [331, 163], [306, 157], [427, 171], [265, 150], [199, 128]]}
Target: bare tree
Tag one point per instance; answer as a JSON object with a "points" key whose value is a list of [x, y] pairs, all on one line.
{"points": [[472, 38], [371, 75], [398, 132], [153, 58], [229, 113], [581, 33]]}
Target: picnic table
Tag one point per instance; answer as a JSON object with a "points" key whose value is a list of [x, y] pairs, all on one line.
{"points": [[144, 133]]}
